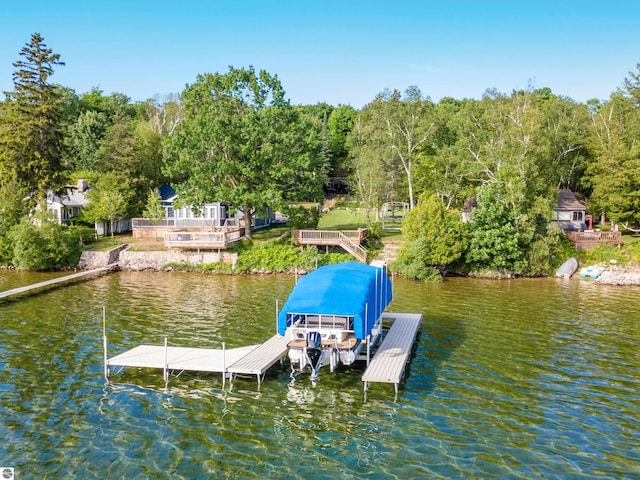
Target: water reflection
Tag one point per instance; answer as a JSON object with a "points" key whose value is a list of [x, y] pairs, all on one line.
{"points": [[518, 379]]}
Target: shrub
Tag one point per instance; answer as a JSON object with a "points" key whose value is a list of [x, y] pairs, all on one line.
{"points": [[42, 244]]}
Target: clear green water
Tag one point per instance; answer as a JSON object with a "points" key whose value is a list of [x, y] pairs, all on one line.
{"points": [[510, 379]]}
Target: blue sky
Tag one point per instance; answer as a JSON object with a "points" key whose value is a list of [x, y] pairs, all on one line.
{"points": [[341, 52]]}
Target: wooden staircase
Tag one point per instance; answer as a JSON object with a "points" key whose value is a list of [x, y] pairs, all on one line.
{"points": [[349, 240]]}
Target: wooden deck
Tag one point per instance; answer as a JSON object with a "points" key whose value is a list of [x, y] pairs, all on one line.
{"points": [[349, 240], [203, 240], [390, 360], [591, 239]]}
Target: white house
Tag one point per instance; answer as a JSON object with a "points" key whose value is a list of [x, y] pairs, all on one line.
{"points": [[66, 206], [208, 216]]}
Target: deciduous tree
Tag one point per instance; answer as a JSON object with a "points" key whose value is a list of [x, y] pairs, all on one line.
{"points": [[241, 143]]}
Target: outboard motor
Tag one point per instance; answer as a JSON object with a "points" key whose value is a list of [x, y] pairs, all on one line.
{"points": [[313, 340], [314, 352]]}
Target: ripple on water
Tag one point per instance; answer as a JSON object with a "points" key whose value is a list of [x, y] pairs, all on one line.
{"points": [[516, 379]]}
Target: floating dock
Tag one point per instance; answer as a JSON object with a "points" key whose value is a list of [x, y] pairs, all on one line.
{"points": [[391, 357]]}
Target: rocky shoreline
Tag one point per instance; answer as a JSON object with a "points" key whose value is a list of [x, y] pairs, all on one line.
{"points": [[124, 259], [619, 277]]}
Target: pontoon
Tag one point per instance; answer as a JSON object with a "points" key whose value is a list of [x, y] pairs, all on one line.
{"points": [[333, 314]]}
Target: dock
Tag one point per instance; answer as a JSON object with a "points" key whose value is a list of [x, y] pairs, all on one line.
{"points": [[387, 365], [260, 359], [54, 281], [391, 357], [247, 360]]}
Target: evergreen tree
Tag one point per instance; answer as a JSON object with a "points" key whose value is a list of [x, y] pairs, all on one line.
{"points": [[31, 134]]}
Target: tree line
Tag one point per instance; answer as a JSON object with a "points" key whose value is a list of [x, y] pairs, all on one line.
{"points": [[233, 137]]}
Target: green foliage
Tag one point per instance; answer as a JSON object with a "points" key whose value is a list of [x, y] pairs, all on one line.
{"points": [[241, 143], [414, 269], [31, 132], [42, 244], [493, 235], [301, 216], [603, 254], [276, 257], [435, 239], [153, 209], [109, 199], [86, 138]]}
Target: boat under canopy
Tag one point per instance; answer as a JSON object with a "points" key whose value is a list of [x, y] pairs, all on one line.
{"points": [[345, 290]]}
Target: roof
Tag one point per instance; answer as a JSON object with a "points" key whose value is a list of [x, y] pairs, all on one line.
{"points": [[345, 289], [72, 198], [568, 201]]}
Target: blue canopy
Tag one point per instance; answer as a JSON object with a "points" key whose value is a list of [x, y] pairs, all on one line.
{"points": [[345, 289]]}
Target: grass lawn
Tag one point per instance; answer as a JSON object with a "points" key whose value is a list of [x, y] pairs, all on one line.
{"points": [[343, 219]]}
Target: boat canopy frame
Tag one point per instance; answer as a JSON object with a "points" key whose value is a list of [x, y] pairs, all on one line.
{"points": [[348, 289]]}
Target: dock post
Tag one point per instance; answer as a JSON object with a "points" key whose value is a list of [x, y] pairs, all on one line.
{"points": [[368, 349], [104, 344], [166, 364]]}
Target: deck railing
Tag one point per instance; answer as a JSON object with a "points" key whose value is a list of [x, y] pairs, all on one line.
{"points": [[585, 239], [193, 240], [347, 239]]}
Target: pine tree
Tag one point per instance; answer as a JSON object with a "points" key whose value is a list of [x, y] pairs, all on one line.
{"points": [[31, 130]]}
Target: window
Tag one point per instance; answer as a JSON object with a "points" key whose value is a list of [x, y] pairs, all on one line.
{"points": [[577, 216]]}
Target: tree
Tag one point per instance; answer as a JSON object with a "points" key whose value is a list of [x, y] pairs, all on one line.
{"points": [[86, 137], [339, 124], [241, 143], [494, 235], [436, 238], [408, 128], [154, 210], [109, 199], [31, 133], [614, 172], [368, 165]]}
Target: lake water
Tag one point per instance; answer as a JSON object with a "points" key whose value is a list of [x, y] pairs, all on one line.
{"points": [[510, 379]]}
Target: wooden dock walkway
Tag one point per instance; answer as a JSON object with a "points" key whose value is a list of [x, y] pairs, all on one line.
{"points": [[54, 281], [390, 360]]}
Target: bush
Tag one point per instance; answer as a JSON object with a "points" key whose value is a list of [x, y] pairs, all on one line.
{"points": [[416, 270], [42, 244], [276, 257], [302, 217]]}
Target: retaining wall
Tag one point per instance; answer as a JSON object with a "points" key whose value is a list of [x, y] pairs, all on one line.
{"points": [[155, 260]]}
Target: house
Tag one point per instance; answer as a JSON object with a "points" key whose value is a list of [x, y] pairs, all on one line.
{"points": [[570, 213], [210, 215], [66, 206], [213, 217]]}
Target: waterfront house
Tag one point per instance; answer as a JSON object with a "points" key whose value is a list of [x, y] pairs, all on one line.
{"points": [[68, 204], [570, 213]]}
